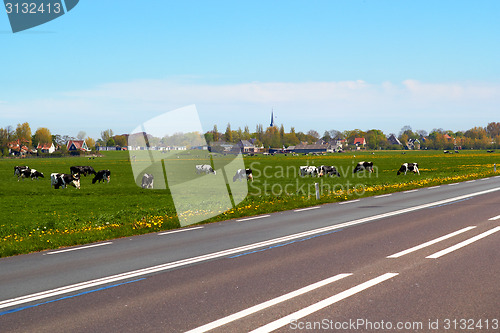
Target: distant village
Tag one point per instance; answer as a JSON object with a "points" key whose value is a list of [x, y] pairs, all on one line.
{"points": [[272, 140]]}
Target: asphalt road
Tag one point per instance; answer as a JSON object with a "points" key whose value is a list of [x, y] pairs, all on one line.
{"points": [[417, 261]]}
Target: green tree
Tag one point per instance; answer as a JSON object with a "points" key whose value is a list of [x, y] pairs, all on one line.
{"points": [[215, 133], [43, 135], [326, 136], [228, 136], [120, 140], [246, 133], [23, 133], [375, 139], [90, 143], [111, 142]]}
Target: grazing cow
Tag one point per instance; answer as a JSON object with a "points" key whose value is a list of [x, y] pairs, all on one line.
{"points": [[18, 170], [363, 166], [33, 174], [102, 175], [204, 168], [147, 180], [308, 170], [25, 173], [62, 180], [243, 173], [82, 170], [405, 167], [328, 170]]}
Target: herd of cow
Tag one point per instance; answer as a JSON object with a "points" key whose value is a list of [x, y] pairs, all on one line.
{"points": [[325, 170], [58, 180]]}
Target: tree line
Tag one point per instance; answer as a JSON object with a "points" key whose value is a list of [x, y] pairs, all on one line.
{"points": [[272, 137], [23, 136]]}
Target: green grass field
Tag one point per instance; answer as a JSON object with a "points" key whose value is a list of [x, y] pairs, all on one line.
{"points": [[35, 216]]}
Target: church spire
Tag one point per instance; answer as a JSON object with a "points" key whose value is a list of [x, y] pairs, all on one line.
{"points": [[272, 118]]}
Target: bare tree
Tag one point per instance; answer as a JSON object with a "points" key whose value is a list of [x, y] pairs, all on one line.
{"points": [[106, 135], [81, 135], [313, 133]]}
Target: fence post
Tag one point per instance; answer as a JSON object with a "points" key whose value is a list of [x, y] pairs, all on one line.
{"points": [[316, 185], [495, 167]]}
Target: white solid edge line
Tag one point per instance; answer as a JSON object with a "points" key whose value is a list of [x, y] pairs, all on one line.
{"points": [[322, 304], [264, 305], [79, 248], [462, 244], [434, 241], [383, 196], [494, 218], [223, 253], [309, 208], [253, 218], [180, 230], [410, 191], [348, 202]]}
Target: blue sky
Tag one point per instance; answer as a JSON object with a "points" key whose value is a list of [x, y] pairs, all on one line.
{"points": [[320, 64]]}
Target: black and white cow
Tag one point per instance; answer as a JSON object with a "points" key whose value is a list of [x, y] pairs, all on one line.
{"points": [[147, 180], [363, 166], [30, 173], [328, 170], [308, 170], [82, 170], [18, 170], [62, 180], [204, 168], [243, 173], [405, 167], [102, 175]]}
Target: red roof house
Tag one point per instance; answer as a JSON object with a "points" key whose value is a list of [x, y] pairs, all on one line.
{"points": [[360, 141], [46, 147], [75, 145]]}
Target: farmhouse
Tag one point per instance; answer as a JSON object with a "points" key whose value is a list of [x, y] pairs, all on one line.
{"points": [[246, 146], [46, 147], [393, 140], [305, 148], [77, 145], [220, 147], [413, 144], [17, 148], [360, 143]]}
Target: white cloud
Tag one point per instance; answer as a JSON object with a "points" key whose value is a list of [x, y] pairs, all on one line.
{"points": [[319, 105]]}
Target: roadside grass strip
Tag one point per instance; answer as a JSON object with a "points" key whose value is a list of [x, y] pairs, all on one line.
{"points": [[429, 243], [323, 304], [225, 253], [264, 305], [463, 244]]}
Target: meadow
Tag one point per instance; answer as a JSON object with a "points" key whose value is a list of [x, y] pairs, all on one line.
{"points": [[36, 217]]}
